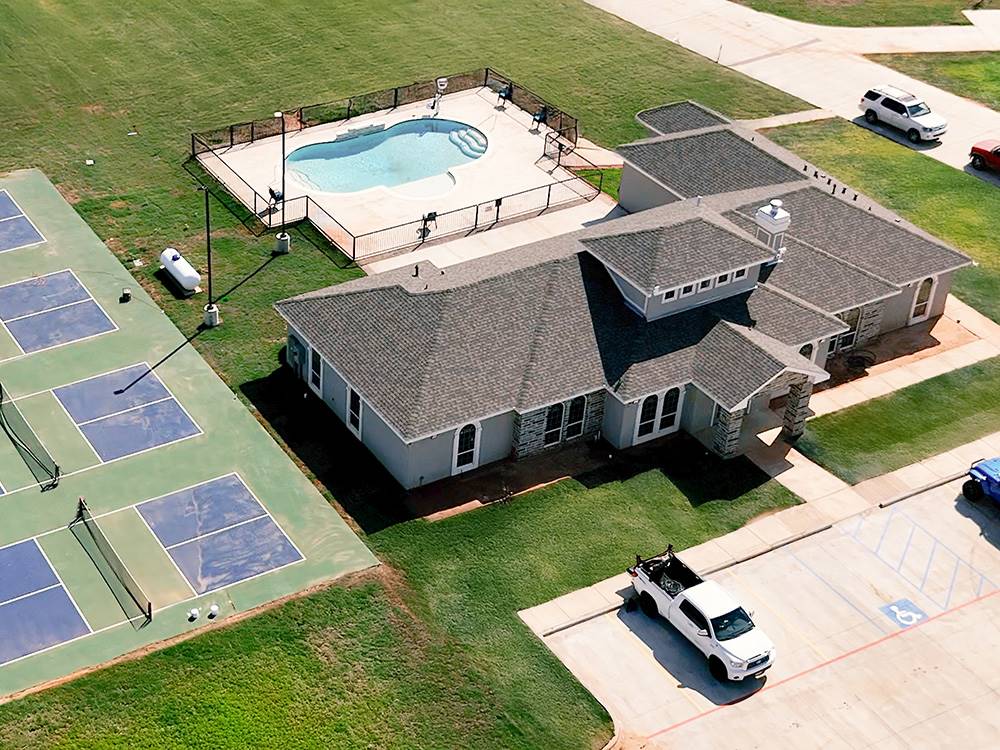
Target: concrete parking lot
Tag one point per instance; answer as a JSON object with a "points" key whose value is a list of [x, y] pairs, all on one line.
{"points": [[886, 630]]}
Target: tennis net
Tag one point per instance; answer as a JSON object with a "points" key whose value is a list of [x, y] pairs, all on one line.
{"points": [[122, 583], [38, 460]]}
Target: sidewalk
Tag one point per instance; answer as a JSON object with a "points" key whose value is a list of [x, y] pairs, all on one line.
{"points": [[885, 378], [824, 65], [826, 500]]}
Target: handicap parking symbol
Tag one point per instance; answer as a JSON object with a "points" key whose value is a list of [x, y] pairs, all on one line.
{"points": [[904, 613]]}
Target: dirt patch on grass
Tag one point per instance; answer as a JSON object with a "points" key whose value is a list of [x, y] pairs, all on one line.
{"points": [[93, 109]]}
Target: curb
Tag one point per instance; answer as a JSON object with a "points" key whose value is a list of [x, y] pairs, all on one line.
{"points": [[929, 486]]}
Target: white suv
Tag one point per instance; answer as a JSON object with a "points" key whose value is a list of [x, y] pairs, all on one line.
{"points": [[904, 111]]}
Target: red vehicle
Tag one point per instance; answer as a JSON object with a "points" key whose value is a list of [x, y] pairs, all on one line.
{"points": [[986, 155]]}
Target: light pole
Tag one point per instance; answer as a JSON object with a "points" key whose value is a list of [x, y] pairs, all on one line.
{"points": [[212, 317], [283, 239]]}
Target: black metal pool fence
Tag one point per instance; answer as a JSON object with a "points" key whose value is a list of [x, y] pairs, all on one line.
{"points": [[211, 144]]}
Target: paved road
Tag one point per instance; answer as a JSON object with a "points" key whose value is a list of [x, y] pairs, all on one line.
{"points": [[886, 632], [824, 65]]}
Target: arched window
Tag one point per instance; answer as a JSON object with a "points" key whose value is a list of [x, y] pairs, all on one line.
{"points": [[668, 414], [922, 302], [466, 452], [647, 415], [574, 420], [553, 424], [807, 351]]}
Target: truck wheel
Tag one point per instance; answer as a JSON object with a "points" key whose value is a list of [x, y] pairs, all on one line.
{"points": [[647, 604], [870, 117], [978, 163], [913, 135], [973, 491], [718, 669]]}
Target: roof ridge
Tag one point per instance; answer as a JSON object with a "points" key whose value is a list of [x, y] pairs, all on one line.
{"points": [[805, 304], [826, 253], [543, 315]]}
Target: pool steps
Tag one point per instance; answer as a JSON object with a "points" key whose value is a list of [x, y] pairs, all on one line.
{"points": [[469, 142]]}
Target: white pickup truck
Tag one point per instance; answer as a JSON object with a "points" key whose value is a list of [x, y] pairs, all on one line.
{"points": [[705, 614]]}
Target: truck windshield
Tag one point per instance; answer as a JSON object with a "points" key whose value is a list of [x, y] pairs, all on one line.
{"points": [[732, 624]]}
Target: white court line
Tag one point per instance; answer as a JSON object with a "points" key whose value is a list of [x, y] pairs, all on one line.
{"points": [[39, 276], [195, 596], [51, 309], [207, 534], [37, 437], [65, 587], [76, 427], [55, 388], [165, 552], [14, 339], [25, 215], [96, 301], [125, 411], [30, 593]]}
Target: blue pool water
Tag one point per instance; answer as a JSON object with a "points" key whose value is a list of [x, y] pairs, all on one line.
{"points": [[408, 151]]}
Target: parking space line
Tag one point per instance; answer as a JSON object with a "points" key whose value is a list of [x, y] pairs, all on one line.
{"points": [[828, 662], [839, 593], [780, 618]]}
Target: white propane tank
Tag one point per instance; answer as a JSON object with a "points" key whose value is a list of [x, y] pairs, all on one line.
{"points": [[182, 271]]}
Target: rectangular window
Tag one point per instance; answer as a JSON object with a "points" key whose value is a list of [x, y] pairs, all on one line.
{"points": [[669, 295], [687, 290], [704, 285], [354, 410], [553, 424], [315, 370], [740, 273], [574, 421], [722, 280]]}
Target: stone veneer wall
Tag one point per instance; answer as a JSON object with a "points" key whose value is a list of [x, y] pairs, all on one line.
{"points": [[529, 428], [870, 322], [797, 408], [726, 432]]}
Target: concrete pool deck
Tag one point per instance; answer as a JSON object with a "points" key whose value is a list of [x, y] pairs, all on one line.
{"points": [[512, 164]]}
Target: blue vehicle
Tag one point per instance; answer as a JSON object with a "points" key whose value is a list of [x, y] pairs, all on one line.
{"points": [[983, 481]]}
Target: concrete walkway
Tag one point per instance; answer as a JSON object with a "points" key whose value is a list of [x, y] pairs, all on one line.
{"points": [[825, 65], [826, 500], [881, 382]]}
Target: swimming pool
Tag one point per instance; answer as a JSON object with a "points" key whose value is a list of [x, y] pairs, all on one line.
{"points": [[408, 151]]}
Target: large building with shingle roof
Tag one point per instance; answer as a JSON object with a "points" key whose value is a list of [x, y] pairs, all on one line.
{"points": [[694, 313]]}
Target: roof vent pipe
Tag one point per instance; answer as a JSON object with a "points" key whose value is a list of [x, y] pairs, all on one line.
{"points": [[416, 271], [772, 222], [697, 201]]}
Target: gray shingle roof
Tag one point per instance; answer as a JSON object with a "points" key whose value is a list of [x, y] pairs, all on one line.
{"points": [[675, 254], [717, 161], [679, 117], [888, 250], [810, 274], [530, 337]]}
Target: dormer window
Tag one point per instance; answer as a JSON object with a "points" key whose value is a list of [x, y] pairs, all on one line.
{"points": [[687, 290], [704, 285], [670, 295], [740, 273], [723, 279]]}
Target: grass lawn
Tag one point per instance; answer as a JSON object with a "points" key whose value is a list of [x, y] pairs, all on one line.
{"points": [[871, 12], [974, 75], [87, 72], [379, 664], [907, 426], [948, 203], [612, 179], [437, 660], [941, 413]]}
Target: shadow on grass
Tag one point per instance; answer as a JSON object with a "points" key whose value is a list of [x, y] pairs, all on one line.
{"points": [[323, 444]]}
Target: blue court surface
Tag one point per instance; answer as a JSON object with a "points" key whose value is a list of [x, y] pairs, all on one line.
{"points": [[51, 310], [36, 611], [218, 533], [144, 416], [16, 229]]}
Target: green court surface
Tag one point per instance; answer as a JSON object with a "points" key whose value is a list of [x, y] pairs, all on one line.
{"points": [[246, 527]]}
